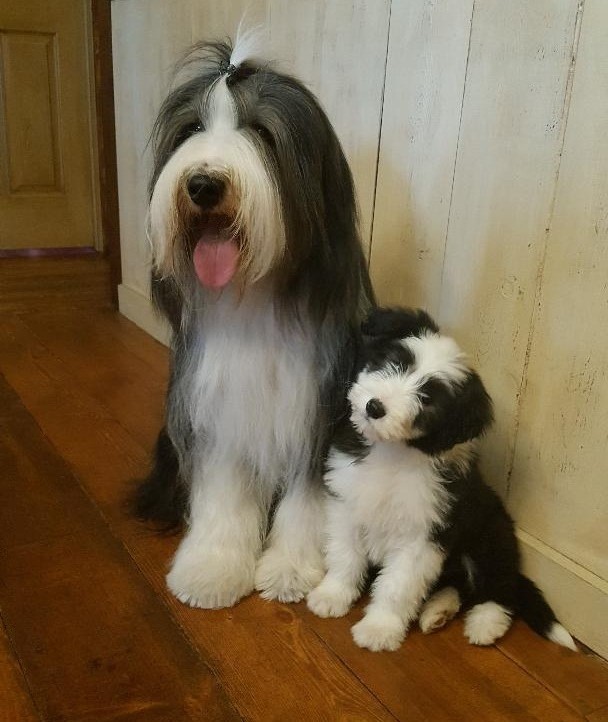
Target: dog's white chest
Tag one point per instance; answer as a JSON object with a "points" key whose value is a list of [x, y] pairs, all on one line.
{"points": [[394, 496], [255, 391]]}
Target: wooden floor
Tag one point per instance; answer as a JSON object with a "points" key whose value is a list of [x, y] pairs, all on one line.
{"points": [[88, 629]]}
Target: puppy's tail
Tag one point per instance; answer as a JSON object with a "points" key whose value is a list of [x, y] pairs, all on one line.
{"points": [[538, 615]]}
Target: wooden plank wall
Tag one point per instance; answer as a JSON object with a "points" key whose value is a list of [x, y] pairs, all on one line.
{"points": [[558, 489], [475, 133], [491, 211]]}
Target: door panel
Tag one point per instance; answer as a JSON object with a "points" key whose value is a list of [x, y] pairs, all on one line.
{"points": [[33, 159], [46, 172]]}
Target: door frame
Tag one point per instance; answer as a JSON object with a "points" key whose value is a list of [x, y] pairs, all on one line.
{"points": [[104, 130]]}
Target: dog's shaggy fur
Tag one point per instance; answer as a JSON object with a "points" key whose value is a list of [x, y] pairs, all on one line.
{"points": [[407, 496], [259, 269]]}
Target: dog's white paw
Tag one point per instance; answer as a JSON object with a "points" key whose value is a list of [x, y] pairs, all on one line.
{"points": [[211, 578], [487, 622], [279, 577], [379, 631], [439, 609], [331, 599]]}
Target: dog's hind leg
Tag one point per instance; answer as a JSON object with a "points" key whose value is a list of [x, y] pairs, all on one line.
{"points": [[292, 564], [449, 593], [493, 568], [162, 497], [215, 564], [487, 622], [438, 609]]}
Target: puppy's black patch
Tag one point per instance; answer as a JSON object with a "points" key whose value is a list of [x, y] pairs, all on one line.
{"points": [[398, 323], [452, 416]]}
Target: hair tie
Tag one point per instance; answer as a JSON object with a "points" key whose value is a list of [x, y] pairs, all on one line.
{"points": [[235, 72]]}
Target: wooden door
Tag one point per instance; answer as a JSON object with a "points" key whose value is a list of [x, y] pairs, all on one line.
{"points": [[47, 197]]}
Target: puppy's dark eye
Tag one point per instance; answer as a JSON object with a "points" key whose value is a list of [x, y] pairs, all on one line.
{"points": [[264, 133], [431, 392]]}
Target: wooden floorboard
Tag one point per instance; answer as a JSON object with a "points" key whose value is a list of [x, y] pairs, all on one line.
{"points": [[130, 389], [93, 385], [442, 677], [93, 639], [34, 284], [577, 679]]}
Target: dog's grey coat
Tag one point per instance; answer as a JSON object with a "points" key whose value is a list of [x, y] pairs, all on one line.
{"points": [[312, 299]]}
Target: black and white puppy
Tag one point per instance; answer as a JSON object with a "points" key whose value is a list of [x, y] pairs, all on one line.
{"points": [[406, 495], [258, 266]]}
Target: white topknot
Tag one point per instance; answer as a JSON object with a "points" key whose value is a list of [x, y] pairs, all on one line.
{"points": [[250, 45]]}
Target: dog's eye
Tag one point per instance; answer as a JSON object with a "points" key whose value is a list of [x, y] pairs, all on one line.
{"points": [[425, 400], [188, 131], [264, 133], [194, 128]]}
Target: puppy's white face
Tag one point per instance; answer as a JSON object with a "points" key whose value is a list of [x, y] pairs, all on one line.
{"points": [[401, 382]]}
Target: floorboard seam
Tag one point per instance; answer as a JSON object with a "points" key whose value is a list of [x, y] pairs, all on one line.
{"points": [[557, 695], [604, 708], [87, 395], [39, 713], [182, 631], [347, 667]]}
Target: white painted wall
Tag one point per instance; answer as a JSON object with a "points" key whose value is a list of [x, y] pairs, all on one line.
{"points": [[487, 203]]}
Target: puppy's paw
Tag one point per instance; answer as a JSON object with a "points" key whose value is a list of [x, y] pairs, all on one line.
{"points": [[279, 577], [379, 631], [487, 622], [210, 579], [331, 599], [439, 609]]}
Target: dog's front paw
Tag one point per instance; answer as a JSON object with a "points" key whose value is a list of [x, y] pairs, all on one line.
{"points": [[439, 609], [211, 578], [279, 577], [379, 631], [331, 599]]}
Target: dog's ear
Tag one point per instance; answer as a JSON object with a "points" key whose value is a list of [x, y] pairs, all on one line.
{"points": [[462, 414], [397, 323]]}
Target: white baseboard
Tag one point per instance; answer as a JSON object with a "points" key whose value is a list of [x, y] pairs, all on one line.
{"points": [[578, 597], [138, 308]]}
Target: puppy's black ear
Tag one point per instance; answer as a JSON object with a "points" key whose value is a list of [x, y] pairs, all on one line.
{"points": [[397, 323], [461, 414]]}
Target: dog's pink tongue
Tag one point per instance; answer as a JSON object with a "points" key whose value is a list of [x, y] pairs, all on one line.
{"points": [[215, 262]]}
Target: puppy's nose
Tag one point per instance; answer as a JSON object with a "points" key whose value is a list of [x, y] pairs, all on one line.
{"points": [[205, 191], [375, 409]]}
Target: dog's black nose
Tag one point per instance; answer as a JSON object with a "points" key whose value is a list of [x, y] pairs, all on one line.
{"points": [[205, 191], [375, 409]]}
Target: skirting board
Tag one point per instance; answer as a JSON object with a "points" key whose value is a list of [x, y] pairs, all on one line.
{"points": [[137, 307], [579, 598]]}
